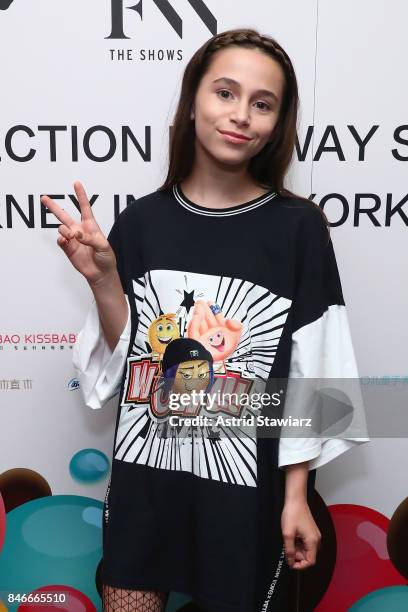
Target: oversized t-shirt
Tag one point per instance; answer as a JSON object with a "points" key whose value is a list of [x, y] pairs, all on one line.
{"points": [[197, 509]]}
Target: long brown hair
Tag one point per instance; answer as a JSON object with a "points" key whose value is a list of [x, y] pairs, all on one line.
{"points": [[270, 165]]}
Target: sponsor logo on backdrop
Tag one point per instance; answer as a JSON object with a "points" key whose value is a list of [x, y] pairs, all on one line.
{"points": [[37, 342], [4, 4], [16, 384], [73, 384], [387, 379], [127, 17], [167, 11]]}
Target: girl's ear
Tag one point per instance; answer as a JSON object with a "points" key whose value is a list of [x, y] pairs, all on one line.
{"points": [[192, 115]]}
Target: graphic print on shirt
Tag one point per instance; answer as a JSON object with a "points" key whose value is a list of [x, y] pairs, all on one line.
{"points": [[221, 333]]}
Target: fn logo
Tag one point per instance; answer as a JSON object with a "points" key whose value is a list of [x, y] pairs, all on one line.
{"points": [[166, 10]]}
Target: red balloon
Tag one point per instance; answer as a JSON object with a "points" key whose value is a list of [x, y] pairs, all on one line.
{"points": [[72, 600], [362, 563], [2, 522]]}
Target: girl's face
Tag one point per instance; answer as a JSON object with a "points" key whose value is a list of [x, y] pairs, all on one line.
{"points": [[241, 92]]}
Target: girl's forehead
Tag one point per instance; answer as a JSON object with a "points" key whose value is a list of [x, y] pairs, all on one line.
{"points": [[236, 57], [247, 65]]}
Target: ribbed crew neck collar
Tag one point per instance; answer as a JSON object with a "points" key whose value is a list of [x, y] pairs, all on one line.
{"points": [[221, 212]]}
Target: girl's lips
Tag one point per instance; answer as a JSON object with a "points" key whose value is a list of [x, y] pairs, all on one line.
{"points": [[232, 138]]}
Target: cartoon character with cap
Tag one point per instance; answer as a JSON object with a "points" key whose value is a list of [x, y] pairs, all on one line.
{"points": [[187, 366]]}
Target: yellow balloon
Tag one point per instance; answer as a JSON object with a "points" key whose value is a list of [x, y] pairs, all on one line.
{"points": [[3, 607]]}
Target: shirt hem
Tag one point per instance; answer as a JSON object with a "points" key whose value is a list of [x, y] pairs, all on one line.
{"points": [[210, 605]]}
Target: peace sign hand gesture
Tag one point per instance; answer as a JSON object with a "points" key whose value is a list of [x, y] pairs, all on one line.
{"points": [[83, 242]]}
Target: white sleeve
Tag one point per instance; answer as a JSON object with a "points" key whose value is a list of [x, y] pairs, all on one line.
{"points": [[99, 370], [322, 349]]}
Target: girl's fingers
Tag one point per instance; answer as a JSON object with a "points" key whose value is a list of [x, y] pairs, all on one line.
{"points": [[310, 552], [66, 232], [64, 217], [289, 542], [62, 242], [95, 241], [86, 210], [57, 211]]}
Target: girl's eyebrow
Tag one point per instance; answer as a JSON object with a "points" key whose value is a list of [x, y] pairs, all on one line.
{"points": [[262, 92]]}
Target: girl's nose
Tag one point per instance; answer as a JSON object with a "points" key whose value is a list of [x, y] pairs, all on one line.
{"points": [[240, 113]]}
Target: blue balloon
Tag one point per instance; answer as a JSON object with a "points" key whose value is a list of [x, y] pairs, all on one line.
{"points": [[391, 599], [52, 540], [89, 465], [176, 601]]}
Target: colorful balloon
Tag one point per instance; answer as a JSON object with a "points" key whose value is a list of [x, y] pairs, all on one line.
{"points": [[61, 597], [20, 485], [363, 564], [188, 607], [179, 602], [54, 540], [89, 465], [397, 538], [390, 599], [2, 521]]}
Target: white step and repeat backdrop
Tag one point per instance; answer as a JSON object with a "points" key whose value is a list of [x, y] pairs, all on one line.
{"points": [[87, 92]]}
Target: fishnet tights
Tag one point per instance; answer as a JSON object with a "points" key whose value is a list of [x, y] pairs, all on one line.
{"points": [[125, 600]]}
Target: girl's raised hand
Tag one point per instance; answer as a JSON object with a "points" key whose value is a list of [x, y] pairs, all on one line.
{"points": [[83, 242]]}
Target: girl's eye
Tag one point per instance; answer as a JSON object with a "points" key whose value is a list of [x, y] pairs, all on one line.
{"points": [[222, 90], [265, 107]]}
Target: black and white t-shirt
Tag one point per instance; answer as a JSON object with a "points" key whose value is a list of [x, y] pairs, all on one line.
{"points": [[257, 285]]}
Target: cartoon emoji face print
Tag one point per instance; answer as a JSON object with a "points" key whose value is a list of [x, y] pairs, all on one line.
{"points": [[191, 375], [217, 340], [220, 336], [162, 331]]}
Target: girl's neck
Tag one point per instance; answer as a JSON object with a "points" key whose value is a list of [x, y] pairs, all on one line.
{"points": [[213, 193]]}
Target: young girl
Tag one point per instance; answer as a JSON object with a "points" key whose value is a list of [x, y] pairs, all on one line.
{"points": [[225, 257]]}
